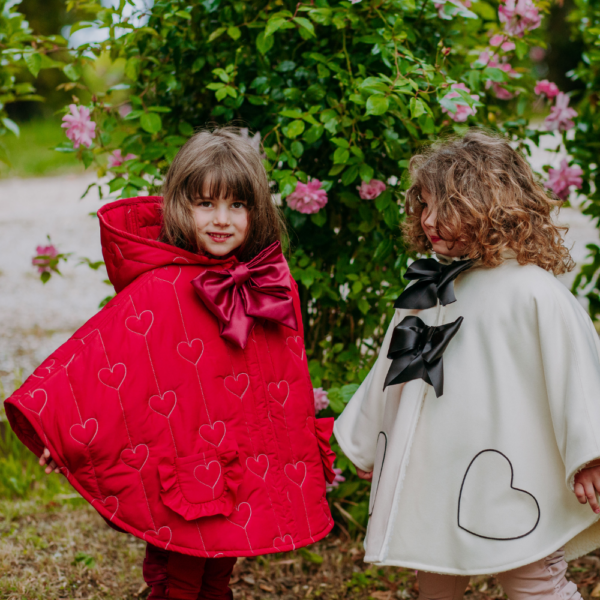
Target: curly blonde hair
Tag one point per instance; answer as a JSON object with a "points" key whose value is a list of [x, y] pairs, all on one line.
{"points": [[487, 196]]}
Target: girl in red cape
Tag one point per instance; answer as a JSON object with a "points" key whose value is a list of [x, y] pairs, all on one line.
{"points": [[183, 411]]}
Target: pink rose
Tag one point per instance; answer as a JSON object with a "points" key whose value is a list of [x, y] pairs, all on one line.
{"points": [[500, 40], [463, 111], [370, 191], [125, 109], [519, 15], [560, 114], [501, 92], [116, 159], [80, 128], [43, 259], [561, 179], [321, 399], [308, 198], [536, 54], [336, 482], [549, 89], [442, 14]]}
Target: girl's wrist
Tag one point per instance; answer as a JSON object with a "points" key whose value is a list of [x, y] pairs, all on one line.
{"points": [[592, 464]]}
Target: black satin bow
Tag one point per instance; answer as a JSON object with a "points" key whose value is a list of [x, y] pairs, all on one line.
{"points": [[434, 281], [416, 351]]}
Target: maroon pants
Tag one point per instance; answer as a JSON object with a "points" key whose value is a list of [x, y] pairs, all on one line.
{"points": [[172, 575]]}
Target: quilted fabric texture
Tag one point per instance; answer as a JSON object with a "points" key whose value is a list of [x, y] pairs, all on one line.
{"points": [[170, 432]]}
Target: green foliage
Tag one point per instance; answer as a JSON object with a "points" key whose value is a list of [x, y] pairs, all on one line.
{"points": [[32, 154], [584, 145], [339, 92], [20, 474]]}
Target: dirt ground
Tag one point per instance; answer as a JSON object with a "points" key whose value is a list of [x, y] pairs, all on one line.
{"points": [[53, 551]]}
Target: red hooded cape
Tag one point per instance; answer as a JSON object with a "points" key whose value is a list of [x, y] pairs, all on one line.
{"points": [[171, 432]]}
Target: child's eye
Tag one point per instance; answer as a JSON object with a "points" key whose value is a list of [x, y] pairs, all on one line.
{"points": [[204, 203], [238, 204]]}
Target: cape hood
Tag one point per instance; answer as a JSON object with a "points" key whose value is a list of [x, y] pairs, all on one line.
{"points": [[129, 232]]}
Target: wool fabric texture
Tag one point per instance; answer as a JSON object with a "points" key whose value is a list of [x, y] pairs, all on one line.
{"points": [[480, 480]]}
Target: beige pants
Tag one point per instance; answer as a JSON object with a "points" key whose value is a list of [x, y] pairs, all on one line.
{"points": [[541, 580]]}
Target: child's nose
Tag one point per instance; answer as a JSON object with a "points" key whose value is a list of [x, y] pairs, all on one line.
{"points": [[222, 216]]}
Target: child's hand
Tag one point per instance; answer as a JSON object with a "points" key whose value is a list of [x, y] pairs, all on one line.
{"points": [[366, 475], [587, 483], [46, 459]]}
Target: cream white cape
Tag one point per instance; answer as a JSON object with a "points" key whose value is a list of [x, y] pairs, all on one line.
{"points": [[480, 480]]}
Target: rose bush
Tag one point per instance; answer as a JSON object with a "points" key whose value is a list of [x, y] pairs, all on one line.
{"points": [[338, 95]]}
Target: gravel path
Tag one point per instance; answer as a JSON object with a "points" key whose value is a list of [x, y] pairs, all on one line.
{"points": [[35, 318]]}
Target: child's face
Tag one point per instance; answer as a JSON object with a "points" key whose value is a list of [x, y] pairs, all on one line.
{"points": [[221, 223], [429, 225]]}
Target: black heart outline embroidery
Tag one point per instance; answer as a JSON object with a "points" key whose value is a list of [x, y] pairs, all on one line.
{"points": [[512, 474], [374, 492]]}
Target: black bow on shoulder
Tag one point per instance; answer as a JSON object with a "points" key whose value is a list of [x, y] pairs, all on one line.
{"points": [[434, 281], [416, 351]]}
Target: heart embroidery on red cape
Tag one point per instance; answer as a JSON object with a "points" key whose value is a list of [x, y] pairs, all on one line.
{"points": [[111, 504], [165, 404], [191, 351], [113, 377], [168, 274], [237, 385], [84, 434], [279, 391], [312, 425], [163, 535], [296, 472], [35, 402], [208, 475], [284, 542], [241, 515], [136, 458], [140, 325], [296, 346], [259, 465], [213, 434]]}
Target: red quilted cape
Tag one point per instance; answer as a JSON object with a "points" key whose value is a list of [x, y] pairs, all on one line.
{"points": [[172, 433]]}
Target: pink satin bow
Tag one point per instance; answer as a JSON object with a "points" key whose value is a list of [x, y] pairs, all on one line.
{"points": [[246, 291]]}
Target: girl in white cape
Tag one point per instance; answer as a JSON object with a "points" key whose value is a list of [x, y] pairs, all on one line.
{"points": [[479, 423]]}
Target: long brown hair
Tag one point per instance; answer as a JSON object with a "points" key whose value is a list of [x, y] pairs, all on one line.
{"points": [[487, 196], [225, 162]]}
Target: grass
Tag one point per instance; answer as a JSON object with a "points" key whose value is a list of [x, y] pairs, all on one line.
{"points": [[31, 154]]}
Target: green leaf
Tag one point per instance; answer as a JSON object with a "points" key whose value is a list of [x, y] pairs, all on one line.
{"points": [[184, 15], [294, 129], [341, 156], [11, 126], [274, 25], [417, 108], [185, 129], [313, 134], [340, 142], [216, 33], [366, 172], [320, 218], [234, 32], [312, 557], [306, 24], [383, 200], [151, 122], [34, 63], [297, 149], [72, 71], [198, 64], [336, 170], [350, 175], [383, 250], [116, 184], [264, 42], [363, 306], [377, 105]]}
